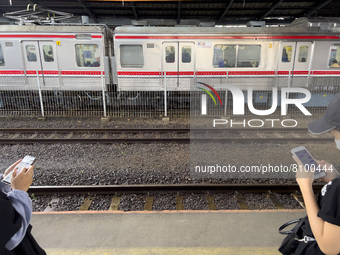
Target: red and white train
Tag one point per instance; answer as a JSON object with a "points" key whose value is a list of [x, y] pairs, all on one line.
{"points": [[175, 59]]}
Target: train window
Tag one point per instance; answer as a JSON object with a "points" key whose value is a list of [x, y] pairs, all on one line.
{"points": [[287, 53], [31, 53], [2, 59], [243, 55], [224, 55], [131, 56], [186, 54], [48, 53], [248, 55], [170, 54], [334, 57], [303, 53], [87, 55]]}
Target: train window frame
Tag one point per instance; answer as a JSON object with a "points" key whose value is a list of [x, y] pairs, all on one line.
{"points": [[303, 58], [233, 60], [170, 54], [31, 55], [2, 57], [248, 62], [285, 57], [88, 58], [332, 57], [48, 53], [125, 56], [219, 60], [186, 54]]}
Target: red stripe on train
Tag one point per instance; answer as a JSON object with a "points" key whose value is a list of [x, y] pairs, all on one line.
{"points": [[44, 36], [280, 37], [231, 73], [212, 73], [49, 72], [81, 72], [171, 73], [326, 72]]}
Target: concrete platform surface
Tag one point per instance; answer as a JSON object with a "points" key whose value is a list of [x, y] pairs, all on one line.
{"points": [[162, 233]]}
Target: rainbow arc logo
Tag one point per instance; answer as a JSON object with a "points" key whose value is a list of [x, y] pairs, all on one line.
{"points": [[209, 93]]}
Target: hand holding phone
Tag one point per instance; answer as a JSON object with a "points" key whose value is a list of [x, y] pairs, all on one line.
{"points": [[25, 163], [308, 162], [22, 180]]}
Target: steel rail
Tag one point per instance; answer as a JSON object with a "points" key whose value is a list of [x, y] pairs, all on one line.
{"points": [[146, 188], [204, 135], [161, 140], [147, 130]]}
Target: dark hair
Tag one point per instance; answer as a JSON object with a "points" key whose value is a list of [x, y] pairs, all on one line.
{"points": [[334, 61]]}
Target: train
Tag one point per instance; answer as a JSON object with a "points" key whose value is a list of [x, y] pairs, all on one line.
{"points": [[94, 61]]}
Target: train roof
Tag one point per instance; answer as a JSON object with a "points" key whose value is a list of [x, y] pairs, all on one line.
{"points": [[52, 29], [226, 30]]}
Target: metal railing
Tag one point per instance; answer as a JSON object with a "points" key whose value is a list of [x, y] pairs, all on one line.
{"points": [[30, 96]]}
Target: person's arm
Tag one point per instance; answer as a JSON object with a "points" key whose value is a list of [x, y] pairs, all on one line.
{"points": [[21, 203], [325, 233], [23, 206]]}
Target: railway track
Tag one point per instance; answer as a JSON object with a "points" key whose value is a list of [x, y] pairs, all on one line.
{"points": [[151, 135], [177, 192]]}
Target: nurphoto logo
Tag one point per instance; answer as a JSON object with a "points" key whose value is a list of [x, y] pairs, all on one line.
{"points": [[238, 97]]}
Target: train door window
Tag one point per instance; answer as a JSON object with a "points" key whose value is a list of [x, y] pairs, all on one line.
{"points": [[31, 53], [248, 55], [334, 57], [287, 53], [224, 55], [303, 53], [186, 54], [170, 54], [2, 59], [87, 55], [48, 53], [131, 56]]}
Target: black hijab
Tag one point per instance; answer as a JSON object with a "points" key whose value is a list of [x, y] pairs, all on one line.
{"points": [[10, 222]]}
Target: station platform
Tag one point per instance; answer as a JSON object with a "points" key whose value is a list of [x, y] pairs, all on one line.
{"points": [[233, 232]]}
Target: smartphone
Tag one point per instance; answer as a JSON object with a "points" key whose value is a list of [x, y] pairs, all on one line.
{"points": [[24, 163], [308, 161]]}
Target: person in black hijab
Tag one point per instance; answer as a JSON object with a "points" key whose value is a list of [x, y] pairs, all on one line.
{"points": [[15, 214]]}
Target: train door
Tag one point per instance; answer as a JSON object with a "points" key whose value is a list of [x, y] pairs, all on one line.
{"points": [[179, 64], [294, 63], [41, 56]]}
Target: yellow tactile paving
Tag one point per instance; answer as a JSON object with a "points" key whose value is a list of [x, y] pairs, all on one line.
{"points": [[169, 251]]}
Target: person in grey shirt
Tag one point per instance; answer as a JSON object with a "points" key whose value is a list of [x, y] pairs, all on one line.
{"points": [[15, 214]]}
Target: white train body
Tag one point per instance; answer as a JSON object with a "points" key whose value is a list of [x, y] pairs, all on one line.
{"points": [[61, 55], [245, 57], [174, 59]]}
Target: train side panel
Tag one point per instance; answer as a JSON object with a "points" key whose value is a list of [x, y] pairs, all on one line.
{"points": [[65, 58], [257, 58]]}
